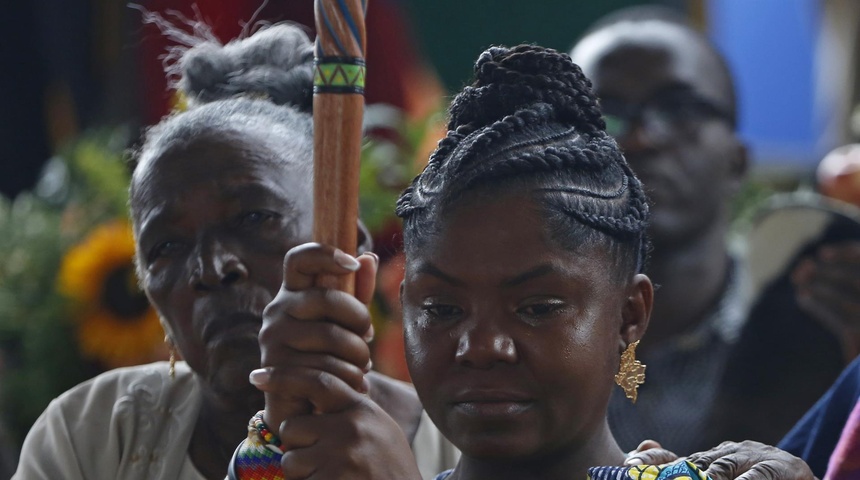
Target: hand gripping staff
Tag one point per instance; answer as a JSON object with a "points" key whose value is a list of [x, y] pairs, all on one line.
{"points": [[339, 74]]}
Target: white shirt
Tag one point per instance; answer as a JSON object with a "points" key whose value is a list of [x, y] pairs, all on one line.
{"points": [[136, 423]]}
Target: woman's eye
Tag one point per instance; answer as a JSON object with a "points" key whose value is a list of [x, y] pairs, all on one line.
{"points": [[164, 249], [541, 309], [256, 217], [441, 311]]}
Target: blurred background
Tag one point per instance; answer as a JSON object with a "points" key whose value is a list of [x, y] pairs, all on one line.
{"points": [[83, 78]]}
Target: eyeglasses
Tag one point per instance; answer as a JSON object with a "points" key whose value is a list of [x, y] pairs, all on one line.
{"points": [[674, 112]]}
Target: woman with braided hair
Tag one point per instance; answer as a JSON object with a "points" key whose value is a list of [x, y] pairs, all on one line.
{"points": [[523, 298], [524, 241]]}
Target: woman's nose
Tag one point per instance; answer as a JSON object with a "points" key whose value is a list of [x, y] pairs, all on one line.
{"points": [[483, 344], [216, 267]]}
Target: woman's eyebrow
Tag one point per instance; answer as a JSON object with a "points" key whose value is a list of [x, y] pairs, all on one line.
{"points": [[432, 270], [151, 220], [524, 277]]}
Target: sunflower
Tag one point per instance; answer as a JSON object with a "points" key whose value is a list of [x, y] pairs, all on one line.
{"points": [[116, 324]]}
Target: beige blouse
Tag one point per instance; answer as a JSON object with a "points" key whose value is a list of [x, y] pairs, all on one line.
{"points": [[136, 423]]}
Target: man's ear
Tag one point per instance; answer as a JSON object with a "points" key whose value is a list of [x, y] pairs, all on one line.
{"points": [[365, 243], [637, 309]]}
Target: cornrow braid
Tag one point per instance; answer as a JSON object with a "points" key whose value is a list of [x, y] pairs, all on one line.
{"points": [[530, 118]]}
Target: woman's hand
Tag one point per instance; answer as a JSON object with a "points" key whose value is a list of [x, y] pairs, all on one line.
{"points": [[359, 443], [313, 341], [750, 461]]}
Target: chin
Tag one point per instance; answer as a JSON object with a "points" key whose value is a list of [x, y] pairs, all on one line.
{"points": [[497, 445], [229, 365], [503, 450]]}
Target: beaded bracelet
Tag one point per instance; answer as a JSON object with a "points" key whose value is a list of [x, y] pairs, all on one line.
{"points": [[680, 470], [258, 457]]}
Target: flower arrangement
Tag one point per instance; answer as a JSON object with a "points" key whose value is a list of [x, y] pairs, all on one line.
{"points": [[115, 323], [70, 306]]}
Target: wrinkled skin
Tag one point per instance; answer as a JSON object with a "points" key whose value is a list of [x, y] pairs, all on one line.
{"points": [[730, 460], [213, 220], [750, 461]]}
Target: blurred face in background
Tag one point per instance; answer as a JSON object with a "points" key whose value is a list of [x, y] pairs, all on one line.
{"points": [[669, 104]]}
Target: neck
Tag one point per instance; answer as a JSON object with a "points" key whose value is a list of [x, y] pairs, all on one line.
{"points": [[220, 427], [691, 278], [572, 462]]}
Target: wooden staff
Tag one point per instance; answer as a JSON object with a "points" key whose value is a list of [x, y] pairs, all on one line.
{"points": [[338, 110], [339, 73]]}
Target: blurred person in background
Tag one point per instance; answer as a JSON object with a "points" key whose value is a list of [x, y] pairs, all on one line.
{"points": [[722, 366]]}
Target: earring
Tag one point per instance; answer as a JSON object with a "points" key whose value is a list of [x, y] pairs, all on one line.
{"points": [[172, 349], [631, 372]]}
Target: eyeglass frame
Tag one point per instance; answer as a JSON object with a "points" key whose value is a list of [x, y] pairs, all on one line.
{"points": [[699, 107]]}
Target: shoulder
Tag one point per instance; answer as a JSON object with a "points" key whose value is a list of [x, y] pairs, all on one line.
{"points": [[149, 383], [105, 422]]}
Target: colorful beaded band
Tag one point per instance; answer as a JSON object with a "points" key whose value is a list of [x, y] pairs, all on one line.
{"points": [[339, 75], [258, 456], [681, 470], [270, 438]]}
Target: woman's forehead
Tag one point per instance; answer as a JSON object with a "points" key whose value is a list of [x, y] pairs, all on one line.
{"points": [[507, 228], [212, 157], [218, 173]]}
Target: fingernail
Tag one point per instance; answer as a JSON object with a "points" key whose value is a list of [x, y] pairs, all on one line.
{"points": [[345, 260], [633, 461], [368, 367], [375, 256], [260, 377], [365, 385], [369, 334]]}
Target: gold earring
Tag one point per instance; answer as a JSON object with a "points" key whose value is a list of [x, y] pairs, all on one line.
{"points": [[631, 372], [172, 349]]}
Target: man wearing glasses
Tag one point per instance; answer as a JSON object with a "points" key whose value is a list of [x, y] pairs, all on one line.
{"points": [[669, 100]]}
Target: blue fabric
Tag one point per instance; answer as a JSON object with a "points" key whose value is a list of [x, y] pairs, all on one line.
{"points": [[815, 436], [443, 475]]}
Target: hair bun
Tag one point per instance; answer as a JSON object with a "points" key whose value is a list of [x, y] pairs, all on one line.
{"points": [[276, 62], [508, 80]]}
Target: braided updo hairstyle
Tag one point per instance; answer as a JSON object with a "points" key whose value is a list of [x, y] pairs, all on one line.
{"points": [[260, 86], [530, 120]]}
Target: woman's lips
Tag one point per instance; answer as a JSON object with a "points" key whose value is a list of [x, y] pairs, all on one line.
{"points": [[237, 324], [492, 409], [492, 403]]}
